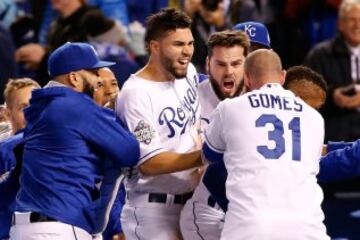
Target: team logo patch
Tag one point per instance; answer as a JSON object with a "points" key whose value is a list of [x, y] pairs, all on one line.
{"points": [[144, 133]]}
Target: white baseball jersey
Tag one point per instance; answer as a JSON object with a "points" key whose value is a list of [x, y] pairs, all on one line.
{"points": [[271, 151], [208, 101], [164, 116], [198, 219]]}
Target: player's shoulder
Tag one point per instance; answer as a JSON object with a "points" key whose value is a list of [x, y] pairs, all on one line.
{"points": [[135, 86], [204, 83], [192, 75], [191, 71]]}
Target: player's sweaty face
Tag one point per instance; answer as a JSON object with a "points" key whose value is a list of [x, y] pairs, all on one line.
{"points": [[91, 83], [226, 70], [176, 50], [349, 25]]}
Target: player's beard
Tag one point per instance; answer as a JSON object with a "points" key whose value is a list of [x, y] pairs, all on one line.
{"points": [[169, 65], [217, 89], [88, 88]]}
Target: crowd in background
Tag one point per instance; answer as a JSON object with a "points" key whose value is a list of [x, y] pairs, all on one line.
{"points": [[30, 30]]}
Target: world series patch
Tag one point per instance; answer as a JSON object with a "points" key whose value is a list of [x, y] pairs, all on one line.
{"points": [[144, 133]]}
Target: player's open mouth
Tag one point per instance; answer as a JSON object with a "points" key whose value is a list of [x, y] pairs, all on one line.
{"points": [[183, 62], [228, 85]]}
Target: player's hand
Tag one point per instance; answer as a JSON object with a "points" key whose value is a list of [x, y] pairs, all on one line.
{"points": [[119, 236], [129, 171], [324, 150], [31, 54], [344, 101]]}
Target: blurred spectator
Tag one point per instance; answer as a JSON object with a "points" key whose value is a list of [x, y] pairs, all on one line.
{"points": [[124, 67], [8, 12], [43, 14], [139, 10], [115, 9], [191, 7], [243, 10], [210, 16], [77, 23], [215, 15], [338, 61], [7, 61]]}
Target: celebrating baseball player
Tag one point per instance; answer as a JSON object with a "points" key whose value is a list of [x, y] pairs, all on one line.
{"points": [[69, 141], [17, 96], [201, 217], [272, 157], [160, 106]]}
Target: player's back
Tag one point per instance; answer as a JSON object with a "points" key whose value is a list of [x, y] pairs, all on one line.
{"points": [[272, 155]]}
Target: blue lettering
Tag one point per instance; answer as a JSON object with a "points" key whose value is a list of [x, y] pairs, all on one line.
{"points": [[183, 114], [275, 101], [286, 104], [298, 107], [264, 98], [253, 101], [167, 116]]}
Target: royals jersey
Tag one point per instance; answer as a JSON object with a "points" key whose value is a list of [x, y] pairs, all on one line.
{"points": [[271, 152], [208, 101], [164, 116]]}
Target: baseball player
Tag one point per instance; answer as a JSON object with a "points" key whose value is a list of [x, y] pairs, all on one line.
{"points": [[160, 106], [306, 84], [17, 96], [203, 216], [272, 157], [69, 142]]}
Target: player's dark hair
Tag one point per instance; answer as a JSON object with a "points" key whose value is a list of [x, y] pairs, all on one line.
{"points": [[210, 5], [228, 38], [296, 74], [167, 19]]}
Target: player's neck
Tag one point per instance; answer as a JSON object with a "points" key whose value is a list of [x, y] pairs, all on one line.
{"points": [[154, 71]]}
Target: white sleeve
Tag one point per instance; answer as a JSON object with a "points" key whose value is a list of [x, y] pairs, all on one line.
{"points": [[213, 133], [134, 109]]}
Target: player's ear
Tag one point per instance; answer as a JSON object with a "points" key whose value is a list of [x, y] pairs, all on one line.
{"points": [[7, 112], [282, 77], [154, 46], [75, 81], [207, 64], [247, 81]]}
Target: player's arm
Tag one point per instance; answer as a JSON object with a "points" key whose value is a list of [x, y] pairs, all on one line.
{"points": [[215, 179], [169, 162], [340, 164], [105, 132], [332, 146], [214, 145]]}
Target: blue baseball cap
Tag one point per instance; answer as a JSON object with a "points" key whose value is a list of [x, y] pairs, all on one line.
{"points": [[73, 57], [256, 31]]}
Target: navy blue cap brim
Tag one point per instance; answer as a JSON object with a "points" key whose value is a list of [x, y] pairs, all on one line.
{"points": [[102, 64], [261, 43]]}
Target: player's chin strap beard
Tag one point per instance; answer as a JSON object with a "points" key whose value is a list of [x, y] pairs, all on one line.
{"points": [[219, 93]]}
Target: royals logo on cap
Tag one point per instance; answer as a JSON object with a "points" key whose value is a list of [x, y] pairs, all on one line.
{"points": [[256, 31]]}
